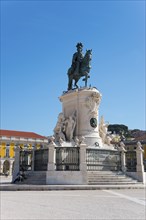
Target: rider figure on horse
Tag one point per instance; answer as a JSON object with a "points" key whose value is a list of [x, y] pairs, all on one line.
{"points": [[77, 59], [80, 67]]}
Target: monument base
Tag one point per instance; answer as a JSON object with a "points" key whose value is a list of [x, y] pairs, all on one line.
{"points": [[66, 178], [82, 106]]}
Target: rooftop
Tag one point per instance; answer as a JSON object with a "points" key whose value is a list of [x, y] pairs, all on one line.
{"points": [[24, 134]]}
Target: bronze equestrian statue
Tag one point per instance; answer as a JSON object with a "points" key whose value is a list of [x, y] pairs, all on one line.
{"points": [[80, 66]]}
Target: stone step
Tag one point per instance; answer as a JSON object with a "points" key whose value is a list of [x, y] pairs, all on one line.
{"points": [[107, 172], [111, 180], [35, 172], [112, 177], [112, 183], [104, 173], [36, 177], [35, 183], [109, 177], [34, 180]]}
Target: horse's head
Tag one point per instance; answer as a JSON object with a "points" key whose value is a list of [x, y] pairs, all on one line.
{"points": [[86, 60], [88, 54], [85, 64]]}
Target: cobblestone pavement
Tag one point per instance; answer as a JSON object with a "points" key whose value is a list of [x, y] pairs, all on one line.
{"points": [[126, 204]]}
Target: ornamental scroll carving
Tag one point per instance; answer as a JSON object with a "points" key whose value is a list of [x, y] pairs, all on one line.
{"points": [[92, 102]]}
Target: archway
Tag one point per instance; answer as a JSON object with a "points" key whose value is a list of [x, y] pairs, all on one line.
{"points": [[6, 167]]}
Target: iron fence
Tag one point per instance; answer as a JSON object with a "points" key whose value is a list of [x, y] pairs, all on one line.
{"points": [[40, 159], [67, 158], [25, 160], [131, 161], [144, 163], [101, 159]]}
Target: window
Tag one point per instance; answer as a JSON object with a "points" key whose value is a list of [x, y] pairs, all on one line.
{"points": [[7, 151]]}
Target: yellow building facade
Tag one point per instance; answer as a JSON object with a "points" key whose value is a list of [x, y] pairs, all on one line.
{"points": [[9, 140]]}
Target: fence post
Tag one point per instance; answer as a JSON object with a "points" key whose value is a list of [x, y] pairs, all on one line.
{"points": [[83, 164], [123, 157], [140, 166], [16, 169], [51, 156], [33, 157]]}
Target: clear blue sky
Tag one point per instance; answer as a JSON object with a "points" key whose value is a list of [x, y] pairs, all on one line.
{"points": [[38, 39]]}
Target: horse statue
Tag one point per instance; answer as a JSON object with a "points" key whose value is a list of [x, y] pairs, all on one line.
{"points": [[84, 70]]}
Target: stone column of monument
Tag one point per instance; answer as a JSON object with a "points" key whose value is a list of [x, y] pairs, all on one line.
{"points": [[84, 105]]}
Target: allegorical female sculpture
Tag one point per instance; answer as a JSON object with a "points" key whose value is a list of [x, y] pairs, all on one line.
{"points": [[64, 129]]}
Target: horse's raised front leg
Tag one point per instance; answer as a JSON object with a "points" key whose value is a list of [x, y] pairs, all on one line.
{"points": [[85, 79]]}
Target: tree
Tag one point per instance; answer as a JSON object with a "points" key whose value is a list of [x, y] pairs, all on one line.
{"points": [[118, 128]]}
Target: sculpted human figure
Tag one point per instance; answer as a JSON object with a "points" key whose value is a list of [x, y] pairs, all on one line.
{"points": [[60, 128], [103, 130], [70, 124], [77, 141], [77, 59]]}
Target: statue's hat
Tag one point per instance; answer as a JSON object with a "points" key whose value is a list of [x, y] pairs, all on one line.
{"points": [[79, 45]]}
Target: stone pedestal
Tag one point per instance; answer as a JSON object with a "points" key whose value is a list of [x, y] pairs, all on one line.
{"points": [[140, 166], [84, 103], [51, 157], [16, 163], [123, 159]]}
